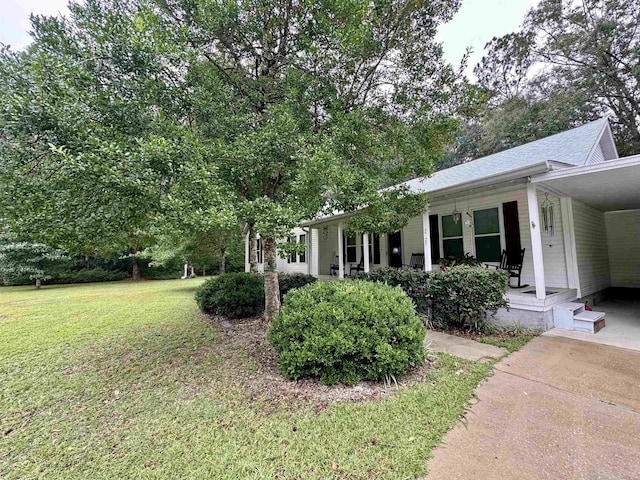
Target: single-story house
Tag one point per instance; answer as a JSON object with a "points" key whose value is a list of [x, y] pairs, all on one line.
{"points": [[568, 200]]}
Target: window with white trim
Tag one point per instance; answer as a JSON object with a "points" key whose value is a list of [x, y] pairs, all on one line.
{"points": [[259, 250], [302, 240], [373, 248], [486, 229], [292, 257], [352, 251], [452, 243]]}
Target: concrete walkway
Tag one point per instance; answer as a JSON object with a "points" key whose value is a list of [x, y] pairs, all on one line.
{"points": [[462, 347], [558, 408]]}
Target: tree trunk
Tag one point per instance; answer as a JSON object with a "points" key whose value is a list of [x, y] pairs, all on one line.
{"points": [[223, 261], [135, 270], [253, 251], [271, 287], [38, 283]]}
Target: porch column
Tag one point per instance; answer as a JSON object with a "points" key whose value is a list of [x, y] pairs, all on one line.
{"points": [[536, 241], [340, 251], [365, 251], [309, 252], [426, 239], [568, 230], [247, 256]]}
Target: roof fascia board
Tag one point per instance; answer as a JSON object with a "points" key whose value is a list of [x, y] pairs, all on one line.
{"points": [[585, 169], [503, 178], [524, 172]]}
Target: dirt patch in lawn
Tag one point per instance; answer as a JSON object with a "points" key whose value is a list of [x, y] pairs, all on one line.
{"points": [[247, 352]]}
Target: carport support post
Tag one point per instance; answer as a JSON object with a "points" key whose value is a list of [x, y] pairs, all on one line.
{"points": [[536, 241], [568, 231], [365, 251], [340, 251], [426, 239]]}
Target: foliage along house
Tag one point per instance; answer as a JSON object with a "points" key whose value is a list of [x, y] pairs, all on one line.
{"points": [[567, 200]]}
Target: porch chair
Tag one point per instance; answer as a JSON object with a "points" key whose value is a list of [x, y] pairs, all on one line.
{"points": [[416, 262], [334, 268], [511, 262], [358, 268]]}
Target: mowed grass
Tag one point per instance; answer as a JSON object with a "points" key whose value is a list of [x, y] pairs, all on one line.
{"points": [[122, 380]]}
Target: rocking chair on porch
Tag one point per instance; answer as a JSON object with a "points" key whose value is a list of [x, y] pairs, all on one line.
{"points": [[511, 262], [416, 262], [334, 268], [358, 268]]}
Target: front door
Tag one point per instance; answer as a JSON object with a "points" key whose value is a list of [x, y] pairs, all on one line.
{"points": [[394, 241]]}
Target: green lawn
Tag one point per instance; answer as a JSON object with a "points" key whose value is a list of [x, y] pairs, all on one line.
{"points": [[120, 380]]}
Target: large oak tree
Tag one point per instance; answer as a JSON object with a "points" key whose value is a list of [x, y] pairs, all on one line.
{"points": [[256, 111]]}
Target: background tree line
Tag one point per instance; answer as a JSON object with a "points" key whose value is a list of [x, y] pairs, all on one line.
{"points": [[571, 62]]}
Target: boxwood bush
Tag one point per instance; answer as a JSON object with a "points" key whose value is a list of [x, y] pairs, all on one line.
{"points": [[347, 331], [457, 297], [234, 295], [290, 281]]}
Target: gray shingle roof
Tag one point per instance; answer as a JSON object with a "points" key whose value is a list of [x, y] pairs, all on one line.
{"points": [[571, 147]]}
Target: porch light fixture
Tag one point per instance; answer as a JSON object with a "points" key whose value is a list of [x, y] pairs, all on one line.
{"points": [[546, 216], [455, 214]]}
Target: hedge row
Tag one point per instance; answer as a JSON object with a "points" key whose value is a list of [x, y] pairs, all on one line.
{"points": [[457, 297]]}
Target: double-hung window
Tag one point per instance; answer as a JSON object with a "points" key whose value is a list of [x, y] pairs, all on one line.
{"points": [[374, 249], [452, 243], [259, 250], [302, 256], [351, 248], [486, 224]]}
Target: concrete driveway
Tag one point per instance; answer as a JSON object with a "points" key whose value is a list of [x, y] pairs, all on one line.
{"points": [[557, 409]]}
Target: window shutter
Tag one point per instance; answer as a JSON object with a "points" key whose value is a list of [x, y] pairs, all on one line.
{"points": [[434, 231], [511, 226]]}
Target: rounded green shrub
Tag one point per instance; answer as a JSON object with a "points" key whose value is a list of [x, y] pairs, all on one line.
{"points": [[347, 331], [234, 295]]}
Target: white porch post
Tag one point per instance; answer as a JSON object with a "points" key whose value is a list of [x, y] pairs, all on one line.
{"points": [[568, 230], [426, 239], [365, 251], [536, 241], [309, 253], [340, 251], [247, 256]]}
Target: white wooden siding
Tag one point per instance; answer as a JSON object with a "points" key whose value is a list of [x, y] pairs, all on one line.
{"points": [[412, 241], [596, 156], [623, 239], [591, 248], [555, 264], [490, 199], [555, 269]]}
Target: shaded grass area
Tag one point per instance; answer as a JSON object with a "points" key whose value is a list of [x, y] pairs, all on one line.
{"points": [[122, 380], [510, 342]]}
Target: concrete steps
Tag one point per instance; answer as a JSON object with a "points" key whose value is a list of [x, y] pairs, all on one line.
{"points": [[590, 322], [573, 316]]}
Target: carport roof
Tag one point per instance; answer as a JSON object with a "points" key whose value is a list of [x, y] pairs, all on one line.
{"points": [[609, 186]]}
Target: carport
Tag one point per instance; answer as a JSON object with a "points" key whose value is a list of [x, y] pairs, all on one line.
{"points": [[604, 228]]}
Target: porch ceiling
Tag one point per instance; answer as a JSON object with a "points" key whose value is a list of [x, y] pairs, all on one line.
{"points": [[609, 186]]}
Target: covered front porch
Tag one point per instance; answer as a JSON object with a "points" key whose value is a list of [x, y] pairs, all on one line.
{"points": [[489, 221]]}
